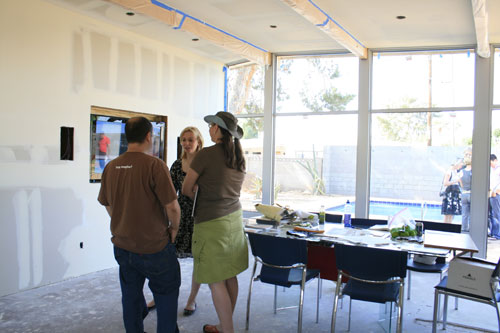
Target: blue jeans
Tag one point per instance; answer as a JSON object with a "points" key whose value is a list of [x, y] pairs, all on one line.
{"points": [[495, 216], [163, 272]]}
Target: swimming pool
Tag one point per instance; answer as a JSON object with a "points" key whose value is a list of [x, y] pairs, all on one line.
{"points": [[432, 212]]}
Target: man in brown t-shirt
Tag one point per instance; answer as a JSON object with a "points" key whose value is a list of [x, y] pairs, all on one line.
{"points": [[138, 194]]}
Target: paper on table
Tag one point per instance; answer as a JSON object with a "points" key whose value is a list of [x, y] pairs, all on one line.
{"points": [[382, 227], [358, 237]]}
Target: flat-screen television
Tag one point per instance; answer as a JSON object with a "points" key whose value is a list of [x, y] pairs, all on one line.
{"points": [[107, 136]]}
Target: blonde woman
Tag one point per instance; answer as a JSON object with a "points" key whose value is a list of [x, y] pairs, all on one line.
{"points": [[192, 143]]}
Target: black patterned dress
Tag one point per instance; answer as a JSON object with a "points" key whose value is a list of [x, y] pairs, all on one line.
{"points": [[185, 234]]}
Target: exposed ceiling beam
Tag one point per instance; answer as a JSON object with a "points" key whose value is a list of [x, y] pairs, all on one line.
{"points": [[481, 24], [323, 21], [186, 22]]}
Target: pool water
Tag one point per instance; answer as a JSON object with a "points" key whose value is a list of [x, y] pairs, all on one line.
{"points": [[431, 212]]}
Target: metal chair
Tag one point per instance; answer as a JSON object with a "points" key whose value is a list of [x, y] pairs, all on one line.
{"points": [[375, 275], [283, 263], [441, 265], [441, 289]]}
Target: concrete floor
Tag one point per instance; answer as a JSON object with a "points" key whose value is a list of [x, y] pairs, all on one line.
{"points": [[91, 303]]}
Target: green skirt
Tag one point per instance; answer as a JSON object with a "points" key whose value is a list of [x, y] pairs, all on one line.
{"points": [[220, 249]]}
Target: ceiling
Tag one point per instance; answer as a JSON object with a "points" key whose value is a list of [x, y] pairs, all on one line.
{"points": [[428, 23]]}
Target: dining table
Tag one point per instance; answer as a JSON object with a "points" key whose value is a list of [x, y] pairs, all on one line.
{"points": [[433, 243]]}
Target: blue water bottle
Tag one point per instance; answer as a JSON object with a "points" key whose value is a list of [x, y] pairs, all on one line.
{"points": [[347, 214]]}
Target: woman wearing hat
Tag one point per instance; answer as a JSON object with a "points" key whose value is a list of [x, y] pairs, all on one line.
{"points": [[219, 246]]}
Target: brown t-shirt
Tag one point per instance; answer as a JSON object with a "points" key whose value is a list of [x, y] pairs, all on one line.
{"points": [[137, 187], [219, 186]]}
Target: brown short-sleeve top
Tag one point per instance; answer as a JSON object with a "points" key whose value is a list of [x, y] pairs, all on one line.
{"points": [[137, 187], [219, 186]]}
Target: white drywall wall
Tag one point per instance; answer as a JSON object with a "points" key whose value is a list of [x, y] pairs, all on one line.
{"points": [[54, 65]]}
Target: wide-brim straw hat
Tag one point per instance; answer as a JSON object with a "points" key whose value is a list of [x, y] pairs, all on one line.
{"points": [[227, 121]]}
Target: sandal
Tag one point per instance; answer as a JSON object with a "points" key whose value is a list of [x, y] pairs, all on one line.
{"points": [[188, 312], [210, 329]]}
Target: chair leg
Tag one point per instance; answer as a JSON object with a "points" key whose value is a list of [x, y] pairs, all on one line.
{"points": [[320, 286], [301, 301], [445, 311], [349, 320], [275, 299], [336, 302], [436, 310], [498, 316], [247, 324], [409, 284], [439, 298], [318, 296], [399, 326]]}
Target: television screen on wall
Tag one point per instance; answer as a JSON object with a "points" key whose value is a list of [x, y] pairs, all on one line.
{"points": [[108, 141]]}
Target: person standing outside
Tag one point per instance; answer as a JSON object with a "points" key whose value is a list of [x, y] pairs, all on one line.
{"points": [[219, 246], [452, 201], [465, 184], [495, 196], [191, 142], [138, 194]]}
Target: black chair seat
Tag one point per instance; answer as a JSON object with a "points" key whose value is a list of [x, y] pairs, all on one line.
{"points": [[375, 275], [418, 267], [294, 277], [378, 293], [444, 282]]}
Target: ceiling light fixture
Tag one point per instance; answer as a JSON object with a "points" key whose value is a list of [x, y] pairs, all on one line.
{"points": [[272, 26], [130, 13], [400, 17]]}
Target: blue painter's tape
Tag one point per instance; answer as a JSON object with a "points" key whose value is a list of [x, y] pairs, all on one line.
{"points": [[162, 5], [324, 23], [224, 69], [341, 27], [180, 23]]}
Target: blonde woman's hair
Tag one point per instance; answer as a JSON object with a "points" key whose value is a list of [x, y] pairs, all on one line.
{"points": [[197, 135]]}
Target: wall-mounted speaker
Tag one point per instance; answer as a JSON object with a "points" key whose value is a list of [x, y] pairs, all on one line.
{"points": [[67, 138]]}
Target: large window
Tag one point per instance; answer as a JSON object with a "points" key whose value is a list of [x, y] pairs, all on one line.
{"points": [[412, 152], [315, 142], [246, 100], [410, 155], [423, 79], [317, 84]]}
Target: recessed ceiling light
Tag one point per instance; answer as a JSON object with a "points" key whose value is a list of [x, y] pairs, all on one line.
{"points": [[130, 13], [195, 39], [272, 26], [400, 17]]}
